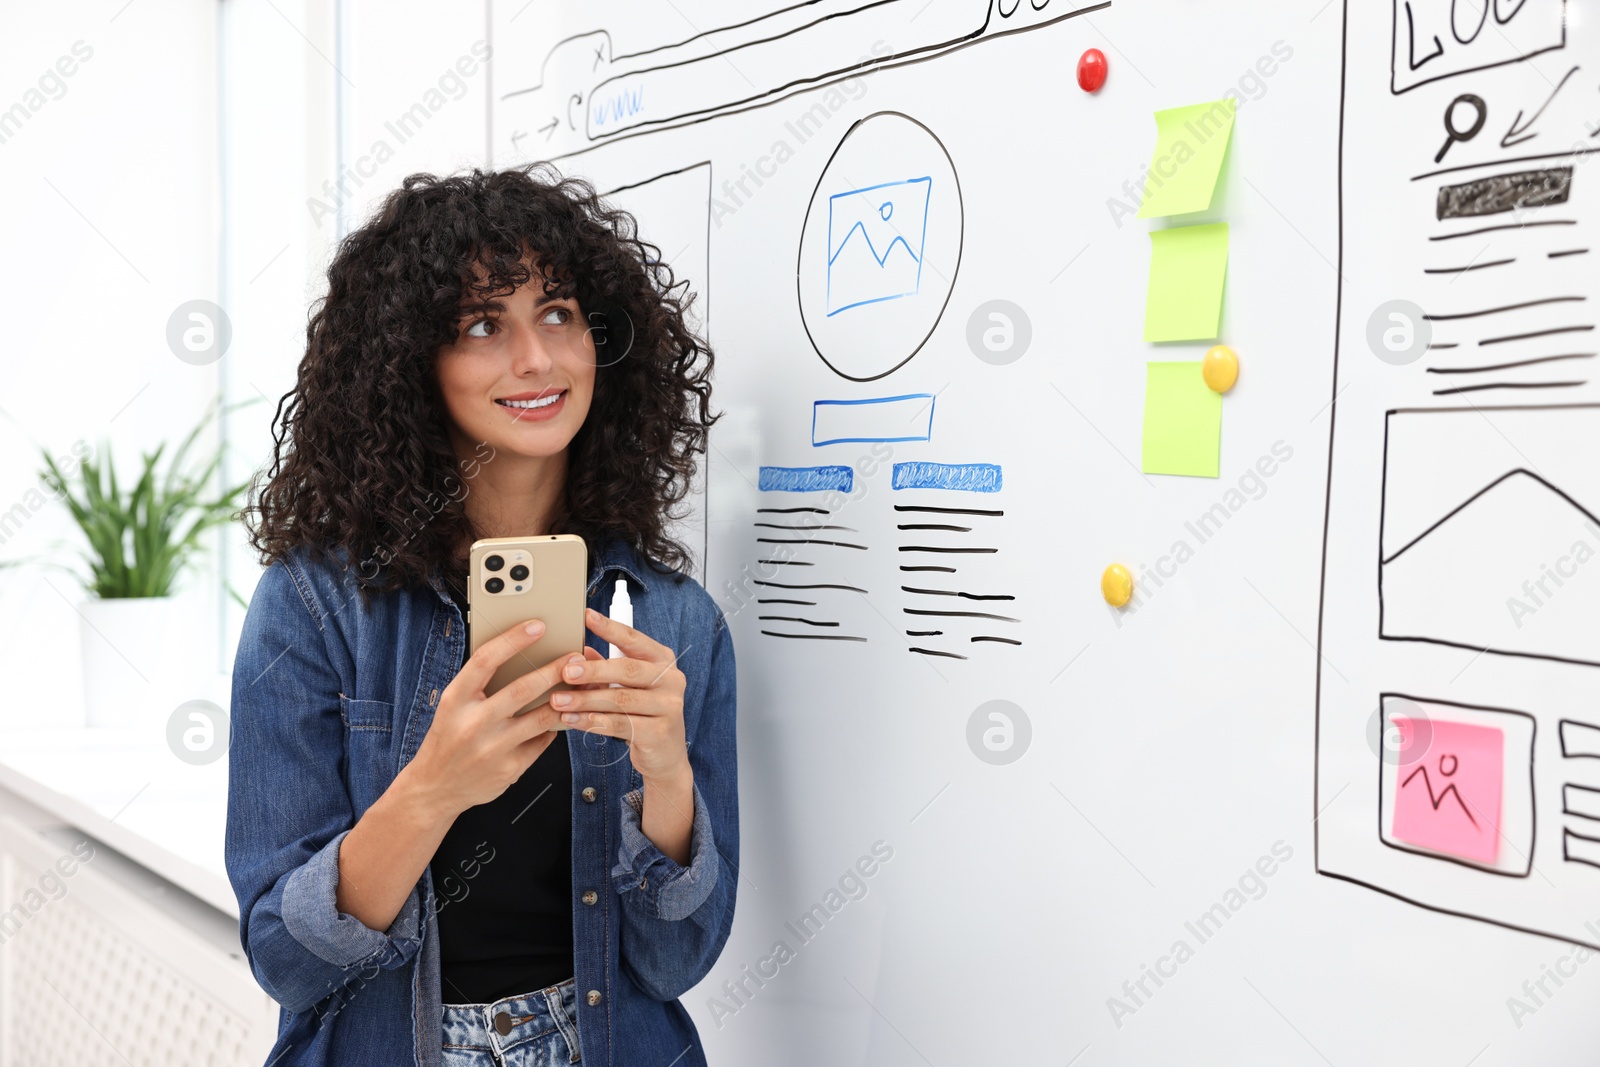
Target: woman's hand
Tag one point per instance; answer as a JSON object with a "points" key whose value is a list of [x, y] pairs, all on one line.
{"points": [[476, 748], [646, 710]]}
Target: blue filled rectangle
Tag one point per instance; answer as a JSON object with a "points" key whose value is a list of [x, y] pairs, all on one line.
{"points": [[805, 479], [968, 477]]}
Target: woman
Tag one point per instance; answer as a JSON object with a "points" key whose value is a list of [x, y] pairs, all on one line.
{"points": [[422, 878]]}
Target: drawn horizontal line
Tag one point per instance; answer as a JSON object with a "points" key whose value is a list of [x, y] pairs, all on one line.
{"points": [[1507, 307], [924, 633], [793, 618], [960, 614], [804, 526], [1507, 385], [932, 526], [953, 592], [1002, 640], [815, 637], [1536, 333], [1506, 226], [927, 567], [948, 511], [1568, 252], [1452, 344], [784, 600], [791, 511], [1504, 366], [817, 585], [935, 652], [788, 562], [806, 541], [932, 548], [1469, 266]]}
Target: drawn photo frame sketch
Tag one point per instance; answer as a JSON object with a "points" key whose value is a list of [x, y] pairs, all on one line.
{"points": [[885, 321]]}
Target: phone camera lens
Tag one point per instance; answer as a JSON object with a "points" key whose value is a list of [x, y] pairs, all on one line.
{"points": [[493, 563], [518, 573], [494, 585]]}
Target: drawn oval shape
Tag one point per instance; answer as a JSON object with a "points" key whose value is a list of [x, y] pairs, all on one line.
{"points": [[880, 246], [1456, 19]]}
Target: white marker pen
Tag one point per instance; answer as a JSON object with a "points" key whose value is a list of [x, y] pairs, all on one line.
{"points": [[621, 610]]}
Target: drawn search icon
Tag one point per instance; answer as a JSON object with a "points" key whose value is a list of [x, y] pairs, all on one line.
{"points": [[1477, 105]]}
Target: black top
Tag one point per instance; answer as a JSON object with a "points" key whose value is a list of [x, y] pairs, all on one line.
{"points": [[503, 880]]}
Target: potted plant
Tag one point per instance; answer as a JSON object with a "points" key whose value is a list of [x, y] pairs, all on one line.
{"points": [[140, 539]]}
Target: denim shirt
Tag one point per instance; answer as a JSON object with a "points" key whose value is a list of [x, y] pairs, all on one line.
{"points": [[331, 699]]}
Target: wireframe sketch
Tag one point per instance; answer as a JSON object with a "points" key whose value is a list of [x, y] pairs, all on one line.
{"points": [[1458, 669]]}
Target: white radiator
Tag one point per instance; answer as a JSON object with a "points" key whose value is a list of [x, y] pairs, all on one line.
{"points": [[102, 962]]}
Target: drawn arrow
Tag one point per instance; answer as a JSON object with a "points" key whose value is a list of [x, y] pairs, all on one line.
{"points": [[550, 130], [1516, 134], [517, 135]]}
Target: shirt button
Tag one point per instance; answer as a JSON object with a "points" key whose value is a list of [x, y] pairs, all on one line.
{"points": [[589, 794], [590, 896], [502, 1023], [593, 998]]}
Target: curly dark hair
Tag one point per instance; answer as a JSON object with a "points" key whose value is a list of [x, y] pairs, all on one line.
{"points": [[362, 460]]}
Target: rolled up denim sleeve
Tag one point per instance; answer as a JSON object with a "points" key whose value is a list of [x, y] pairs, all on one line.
{"points": [[664, 888], [677, 917], [289, 810]]}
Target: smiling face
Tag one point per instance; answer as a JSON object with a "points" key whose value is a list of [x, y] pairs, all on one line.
{"points": [[520, 373]]}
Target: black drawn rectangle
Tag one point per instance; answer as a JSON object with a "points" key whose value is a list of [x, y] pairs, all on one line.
{"points": [[1577, 848], [1500, 193], [1579, 740], [1580, 800], [1435, 39]]}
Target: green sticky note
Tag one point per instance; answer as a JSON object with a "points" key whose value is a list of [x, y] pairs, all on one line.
{"points": [[1182, 421], [1190, 144], [1187, 268]]}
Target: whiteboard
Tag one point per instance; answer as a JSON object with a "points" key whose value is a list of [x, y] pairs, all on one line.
{"points": [[987, 818]]}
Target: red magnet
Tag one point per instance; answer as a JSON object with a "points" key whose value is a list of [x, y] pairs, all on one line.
{"points": [[1091, 70]]}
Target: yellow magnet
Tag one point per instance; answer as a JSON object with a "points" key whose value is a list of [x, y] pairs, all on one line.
{"points": [[1116, 585], [1220, 368]]}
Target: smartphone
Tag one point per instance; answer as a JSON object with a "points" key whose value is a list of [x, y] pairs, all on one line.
{"points": [[513, 580]]}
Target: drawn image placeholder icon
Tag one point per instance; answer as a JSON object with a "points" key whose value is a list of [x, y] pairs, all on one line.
{"points": [[875, 239], [1448, 800], [880, 247]]}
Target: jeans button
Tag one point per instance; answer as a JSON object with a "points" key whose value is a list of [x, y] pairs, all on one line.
{"points": [[589, 794], [590, 896], [593, 997], [502, 1023]]}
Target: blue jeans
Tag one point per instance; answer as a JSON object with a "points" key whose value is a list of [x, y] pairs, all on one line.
{"points": [[538, 1029]]}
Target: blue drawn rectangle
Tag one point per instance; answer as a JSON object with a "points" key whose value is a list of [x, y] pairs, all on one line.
{"points": [[907, 417], [805, 479], [857, 272], [970, 477]]}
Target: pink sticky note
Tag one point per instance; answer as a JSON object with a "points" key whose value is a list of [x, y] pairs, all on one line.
{"points": [[1448, 799]]}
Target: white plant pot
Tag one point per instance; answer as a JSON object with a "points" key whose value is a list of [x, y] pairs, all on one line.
{"points": [[127, 643]]}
